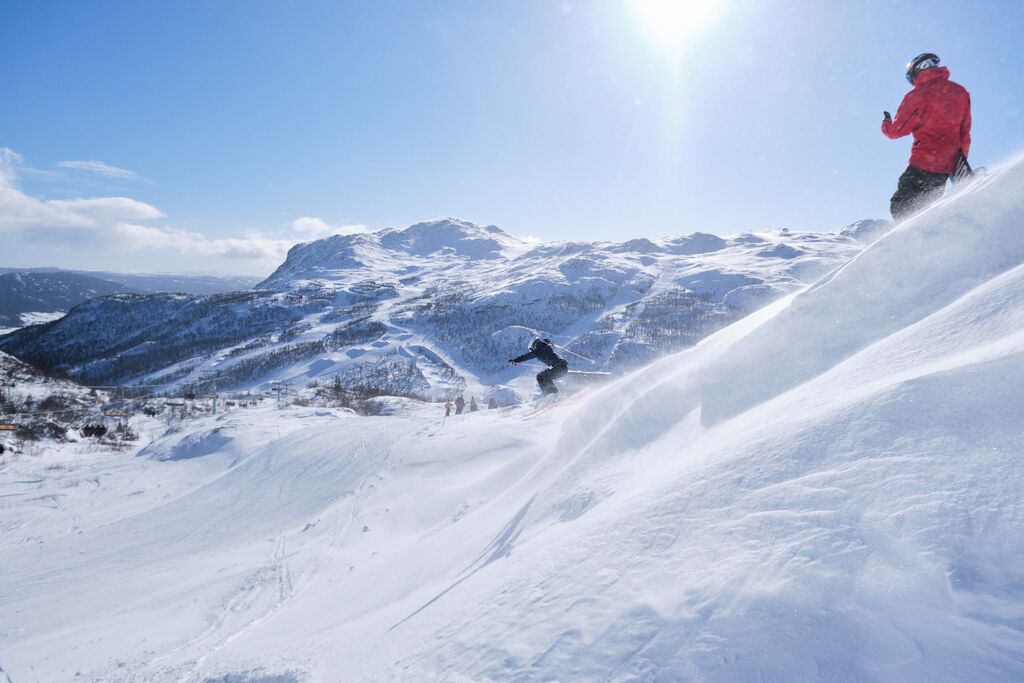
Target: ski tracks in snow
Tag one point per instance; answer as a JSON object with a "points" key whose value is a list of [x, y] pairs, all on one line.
{"points": [[270, 588], [500, 547], [264, 592]]}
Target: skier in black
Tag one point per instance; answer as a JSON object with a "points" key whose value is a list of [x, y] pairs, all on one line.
{"points": [[557, 367]]}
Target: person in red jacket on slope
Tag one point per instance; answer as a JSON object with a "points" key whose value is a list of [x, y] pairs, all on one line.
{"points": [[938, 114]]}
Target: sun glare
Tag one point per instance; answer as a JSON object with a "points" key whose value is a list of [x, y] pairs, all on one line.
{"points": [[670, 23]]}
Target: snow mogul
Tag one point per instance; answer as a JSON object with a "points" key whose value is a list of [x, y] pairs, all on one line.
{"points": [[543, 350], [938, 114]]}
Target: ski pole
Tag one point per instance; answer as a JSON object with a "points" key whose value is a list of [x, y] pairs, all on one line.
{"points": [[574, 353]]}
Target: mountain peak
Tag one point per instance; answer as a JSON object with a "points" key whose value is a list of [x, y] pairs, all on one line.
{"points": [[448, 235], [338, 256]]}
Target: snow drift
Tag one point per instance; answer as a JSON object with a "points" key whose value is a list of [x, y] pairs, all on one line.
{"points": [[831, 488]]}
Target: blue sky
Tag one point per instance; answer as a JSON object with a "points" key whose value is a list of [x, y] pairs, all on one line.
{"points": [[217, 133]]}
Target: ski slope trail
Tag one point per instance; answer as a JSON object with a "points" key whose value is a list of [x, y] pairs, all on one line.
{"points": [[831, 488]]}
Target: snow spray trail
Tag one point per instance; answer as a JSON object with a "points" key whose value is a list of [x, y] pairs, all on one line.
{"points": [[917, 268]]}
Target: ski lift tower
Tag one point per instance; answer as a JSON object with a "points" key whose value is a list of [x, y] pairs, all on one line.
{"points": [[280, 389], [120, 415]]}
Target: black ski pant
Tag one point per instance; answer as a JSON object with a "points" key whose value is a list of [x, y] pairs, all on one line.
{"points": [[546, 378], [915, 190]]}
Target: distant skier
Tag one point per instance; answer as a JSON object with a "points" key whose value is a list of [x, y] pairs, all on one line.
{"points": [[938, 114], [447, 408], [460, 403], [543, 350], [473, 405]]}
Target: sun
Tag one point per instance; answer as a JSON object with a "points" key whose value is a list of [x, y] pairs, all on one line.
{"points": [[671, 22]]}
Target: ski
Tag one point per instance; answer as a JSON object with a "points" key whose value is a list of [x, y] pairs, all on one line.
{"points": [[554, 404]]}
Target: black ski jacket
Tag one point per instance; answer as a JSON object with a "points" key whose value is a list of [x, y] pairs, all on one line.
{"points": [[543, 351]]}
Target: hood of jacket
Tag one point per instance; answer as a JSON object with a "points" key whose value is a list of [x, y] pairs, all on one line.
{"points": [[936, 73]]}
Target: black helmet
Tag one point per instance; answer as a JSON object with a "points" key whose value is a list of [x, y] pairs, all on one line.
{"points": [[925, 60]]}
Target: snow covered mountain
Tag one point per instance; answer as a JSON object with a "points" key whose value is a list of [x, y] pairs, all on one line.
{"points": [[436, 307], [26, 295], [830, 488]]}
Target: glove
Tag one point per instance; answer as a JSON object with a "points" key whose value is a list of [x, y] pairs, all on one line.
{"points": [[888, 116], [513, 362]]}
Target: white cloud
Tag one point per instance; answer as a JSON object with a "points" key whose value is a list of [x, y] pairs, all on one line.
{"points": [[134, 237], [108, 208], [311, 228], [20, 212], [116, 224], [100, 168], [9, 162], [125, 225]]}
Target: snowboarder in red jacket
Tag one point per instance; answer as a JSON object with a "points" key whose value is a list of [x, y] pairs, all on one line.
{"points": [[938, 114]]}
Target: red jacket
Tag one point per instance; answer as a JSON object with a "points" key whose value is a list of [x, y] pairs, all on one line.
{"points": [[938, 112]]}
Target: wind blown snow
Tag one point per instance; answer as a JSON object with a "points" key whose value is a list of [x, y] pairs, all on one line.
{"points": [[831, 488]]}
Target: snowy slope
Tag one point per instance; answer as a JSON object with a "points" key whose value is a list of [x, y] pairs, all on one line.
{"points": [[436, 309], [831, 488]]}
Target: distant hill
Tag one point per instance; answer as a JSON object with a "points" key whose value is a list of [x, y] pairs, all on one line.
{"points": [[179, 283], [23, 293], [32, 295]]}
